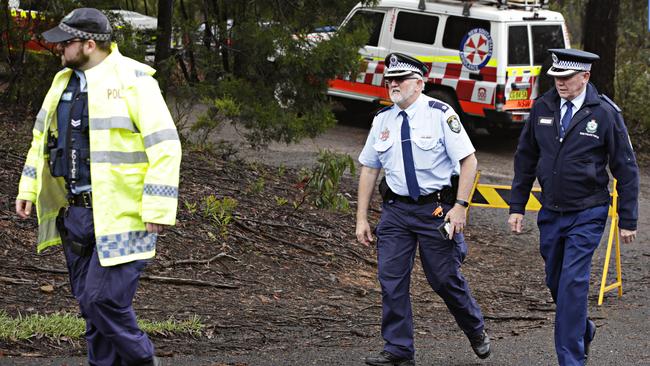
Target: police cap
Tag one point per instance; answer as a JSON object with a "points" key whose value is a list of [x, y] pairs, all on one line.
{"points": [[84, 23], [567, 62], [398, 65]]}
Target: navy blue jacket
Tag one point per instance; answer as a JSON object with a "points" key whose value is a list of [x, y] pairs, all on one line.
{"points": [[572, 172]]}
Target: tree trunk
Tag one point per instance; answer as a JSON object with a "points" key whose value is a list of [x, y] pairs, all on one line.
{"points": [[164, 32], [600, 37]]}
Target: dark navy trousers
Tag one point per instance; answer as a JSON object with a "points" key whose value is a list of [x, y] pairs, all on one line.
{"points": [[105, 295], [401, 228], [567, 244]]}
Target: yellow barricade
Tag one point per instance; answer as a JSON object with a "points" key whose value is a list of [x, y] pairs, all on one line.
{"points": [[498, 196]]}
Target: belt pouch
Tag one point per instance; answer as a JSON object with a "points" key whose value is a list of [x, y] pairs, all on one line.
{"points": [[80, 249]]}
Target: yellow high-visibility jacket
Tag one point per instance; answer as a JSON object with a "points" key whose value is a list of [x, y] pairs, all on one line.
{"points": [[135, 156]]}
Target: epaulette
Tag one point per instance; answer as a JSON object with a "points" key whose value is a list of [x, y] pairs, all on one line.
{"points": [[611, 102], [438, 105], [383, 110]]}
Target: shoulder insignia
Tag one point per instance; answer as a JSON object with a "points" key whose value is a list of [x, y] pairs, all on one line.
{"points": [[454, 123], [383, 110], [610, 102], [438, 105]]}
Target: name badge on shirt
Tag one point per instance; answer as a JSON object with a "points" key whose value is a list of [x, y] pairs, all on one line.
{"points": [[66, 97], [545, 121]]}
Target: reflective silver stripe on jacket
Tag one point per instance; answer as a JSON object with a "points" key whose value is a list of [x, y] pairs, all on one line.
{"points": [[131, 242], [112, 122], [39, 125], [29, 171], [160, 190], [118, 157], [160, 136]]}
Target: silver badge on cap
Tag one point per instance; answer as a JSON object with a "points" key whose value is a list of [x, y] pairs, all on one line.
{"points": [[67, 17], [393, 61], [554, 57]]}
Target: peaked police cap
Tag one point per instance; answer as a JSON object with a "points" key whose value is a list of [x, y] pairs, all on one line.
{"points": [[567, 62], [398, 65], [83, 23]]}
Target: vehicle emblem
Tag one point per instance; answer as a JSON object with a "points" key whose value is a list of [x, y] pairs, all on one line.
{"points": [[393, 61], [592, 126], [454, 124], [476, 49], [384, 135]]}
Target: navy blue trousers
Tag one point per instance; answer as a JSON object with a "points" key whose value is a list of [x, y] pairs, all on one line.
{"points": [[401, 228], [567, 244], [105, 295]]}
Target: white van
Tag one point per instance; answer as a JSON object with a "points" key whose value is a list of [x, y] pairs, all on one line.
{"points": [[484, 57]]}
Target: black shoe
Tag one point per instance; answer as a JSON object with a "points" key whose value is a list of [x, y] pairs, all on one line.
{"points": [[588, 342], [155, 361], [481, 345], [385, 358]]}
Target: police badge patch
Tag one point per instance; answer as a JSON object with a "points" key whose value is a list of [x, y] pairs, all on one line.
{"points": [[454, 124], [383, 136], [592, 126]]}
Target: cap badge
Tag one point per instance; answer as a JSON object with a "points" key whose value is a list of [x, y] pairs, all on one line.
{"points": [[68, 17], [454, 123], [592, 126], [554, 57], [383, 136], [393, 61]]}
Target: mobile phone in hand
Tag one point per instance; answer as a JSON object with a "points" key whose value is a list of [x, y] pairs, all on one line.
{"points": [[443, 229]]}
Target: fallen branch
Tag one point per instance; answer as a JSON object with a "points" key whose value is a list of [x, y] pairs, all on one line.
{"points": [[17, 281], [187, 281], [505, 318], [283, 225], [297, 246], [199, 261]]}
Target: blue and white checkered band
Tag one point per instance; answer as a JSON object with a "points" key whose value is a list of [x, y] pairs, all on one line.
{"points": [[84, 35], [570, 65], [403, 66], [393, 61]]}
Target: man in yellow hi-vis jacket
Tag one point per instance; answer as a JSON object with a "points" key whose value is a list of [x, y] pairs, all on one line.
{"points": [[103, 171]]}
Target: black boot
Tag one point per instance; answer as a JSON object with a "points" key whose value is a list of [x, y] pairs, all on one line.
{"points": [[481, 345], [388, 359]]}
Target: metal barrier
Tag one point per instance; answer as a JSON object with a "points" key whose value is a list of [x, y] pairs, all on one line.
{"points": [[498, 196]]}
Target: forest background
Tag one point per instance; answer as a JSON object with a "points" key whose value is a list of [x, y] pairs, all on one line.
{"points": [[256, 64]]}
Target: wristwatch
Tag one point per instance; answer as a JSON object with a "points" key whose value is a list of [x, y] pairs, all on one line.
{"points": [[462, 203]]}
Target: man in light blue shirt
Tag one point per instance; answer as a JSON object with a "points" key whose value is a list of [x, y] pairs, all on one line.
{"points": [[422, 146]]}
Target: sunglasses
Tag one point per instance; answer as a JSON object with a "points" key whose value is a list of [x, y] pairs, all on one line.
{"points": [[65, 44], [399, 80]]}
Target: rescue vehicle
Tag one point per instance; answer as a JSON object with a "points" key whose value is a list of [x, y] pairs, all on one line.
{"points": [[484, 57]]}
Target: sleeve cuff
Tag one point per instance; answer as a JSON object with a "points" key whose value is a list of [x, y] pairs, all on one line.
{"points": [[517, 208], [627, 224]]}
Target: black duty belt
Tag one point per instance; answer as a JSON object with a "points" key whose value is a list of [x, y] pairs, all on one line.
{"points": [[83, 199], [445, 195]]}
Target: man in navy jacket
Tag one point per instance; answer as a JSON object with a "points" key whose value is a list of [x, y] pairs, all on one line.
{"points": [[572, 134]]}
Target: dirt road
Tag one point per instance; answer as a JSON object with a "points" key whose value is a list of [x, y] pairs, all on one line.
{"points": [[318, 303]]}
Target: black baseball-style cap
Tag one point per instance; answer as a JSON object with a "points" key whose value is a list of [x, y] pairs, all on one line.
{"points": [[399, 65], [84, 23]]}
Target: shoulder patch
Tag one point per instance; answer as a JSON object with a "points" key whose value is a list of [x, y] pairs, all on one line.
{"points": [[610, 102], [438, 105], [383, 110], [454, 123]]}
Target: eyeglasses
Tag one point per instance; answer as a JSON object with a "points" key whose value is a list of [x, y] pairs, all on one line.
{"points": [[65, 44], [398, 80]]}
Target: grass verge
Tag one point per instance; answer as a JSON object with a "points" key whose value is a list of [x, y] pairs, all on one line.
{"points": [[62, 325]]}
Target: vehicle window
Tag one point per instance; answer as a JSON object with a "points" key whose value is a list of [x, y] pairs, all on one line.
{"points": [[413, 27], [545, 37], [518, 49], [457, 28], [370, 19]]}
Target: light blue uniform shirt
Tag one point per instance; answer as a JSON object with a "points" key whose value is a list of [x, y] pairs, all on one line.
{"points": [[439, 143]]}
